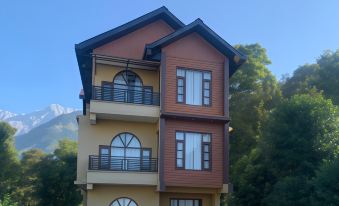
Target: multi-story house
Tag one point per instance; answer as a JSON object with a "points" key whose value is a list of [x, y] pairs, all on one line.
{"points": [[154, 129]]}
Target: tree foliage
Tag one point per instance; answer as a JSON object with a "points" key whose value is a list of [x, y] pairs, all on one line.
{"points": [[299, 134], [326, 184], [9, 162], [57, 175], [253, 92], [37, 178], [297, 137], [321, 76], [27, 191]]}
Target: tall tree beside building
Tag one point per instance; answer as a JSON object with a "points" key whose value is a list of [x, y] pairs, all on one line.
{"points": [[57, 175], [9, 161]]}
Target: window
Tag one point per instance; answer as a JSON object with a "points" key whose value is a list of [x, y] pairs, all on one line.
{"points": [[193, 151], [124, 201], [127, 87], [184, 202], [193, 87], [123, 154]]}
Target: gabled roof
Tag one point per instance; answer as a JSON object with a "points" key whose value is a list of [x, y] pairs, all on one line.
{"points": [[106, 37], [236, 58], [85, 48]]}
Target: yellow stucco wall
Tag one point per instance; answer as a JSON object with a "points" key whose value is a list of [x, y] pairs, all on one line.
{"points": [[91, 136], [107, 73], [103, 195]]}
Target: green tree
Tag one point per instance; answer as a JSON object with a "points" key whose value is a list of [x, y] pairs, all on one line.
{"points": [[254, 91], [298, 135], [57, 175], [253, 179], [326, 184], [291, 190], [8, 160], [29, 181], [321, 76], [7, 201]]}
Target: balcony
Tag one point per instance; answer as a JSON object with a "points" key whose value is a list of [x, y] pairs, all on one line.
{"points": [[106, 169], [126, 94], [122, 102], [113, 163]]}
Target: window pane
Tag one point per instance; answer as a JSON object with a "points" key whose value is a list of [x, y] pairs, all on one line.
{"points": [[207, 75], [206, 85], [180, 136], [182, 203], [197, 96], [133, 143], [180, 98], [180, 72], [206, 148], [206, 138], [189, 203], [146, 153], [206, 93], [180, 146], [193, 87], [174, 203], [180, 82], [196, 203], [206, 100], [132, 152], [180, 90], [179, 163], [206, 156], [117, 152], [179, 154], [193, 151], [206, 164]]}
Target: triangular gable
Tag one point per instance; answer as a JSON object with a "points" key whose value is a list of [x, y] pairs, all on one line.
{"points": [[101, 39], [85, 48], [236, 58]]}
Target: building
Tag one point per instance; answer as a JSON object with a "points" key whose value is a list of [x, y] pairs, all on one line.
{"points": [[154, 129]]}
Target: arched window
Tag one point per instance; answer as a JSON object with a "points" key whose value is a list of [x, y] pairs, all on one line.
{"points": [[124, 201], [127, 78], [126, 145], [127, 87], [125, 153]]}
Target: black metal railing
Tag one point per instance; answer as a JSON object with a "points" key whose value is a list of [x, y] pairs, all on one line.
{"points": [[111, 163], [127, 94]]}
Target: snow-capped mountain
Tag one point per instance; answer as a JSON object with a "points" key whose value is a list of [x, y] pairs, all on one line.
{"points": [[6, 114], [25, 122]]}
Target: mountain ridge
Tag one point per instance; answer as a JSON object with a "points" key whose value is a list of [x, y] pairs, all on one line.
{"points": [[26, 122], [47, 135]]}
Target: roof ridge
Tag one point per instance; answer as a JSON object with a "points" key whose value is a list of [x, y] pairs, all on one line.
{"points": [[134, 22]]}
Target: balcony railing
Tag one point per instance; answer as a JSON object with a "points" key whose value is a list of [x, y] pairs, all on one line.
{"points": [[111, 163], [126, 94]]}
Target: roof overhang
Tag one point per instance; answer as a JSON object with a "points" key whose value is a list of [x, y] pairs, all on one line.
{"points": [[153, 50], [84, 49]]}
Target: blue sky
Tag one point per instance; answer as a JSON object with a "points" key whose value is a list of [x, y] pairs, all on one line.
{"points": [[38, 64]]}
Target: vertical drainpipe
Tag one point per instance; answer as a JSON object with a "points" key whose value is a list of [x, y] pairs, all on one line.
{"points": [[226, 114], [162, 121]]}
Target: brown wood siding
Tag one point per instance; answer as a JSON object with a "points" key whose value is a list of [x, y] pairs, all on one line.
{"points": [[190, 178], [217, 103], [194, 52], [132, 45]]}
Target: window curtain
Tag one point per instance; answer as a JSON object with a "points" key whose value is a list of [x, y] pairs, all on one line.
{"points": [[193, 151], [193, 87]]}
